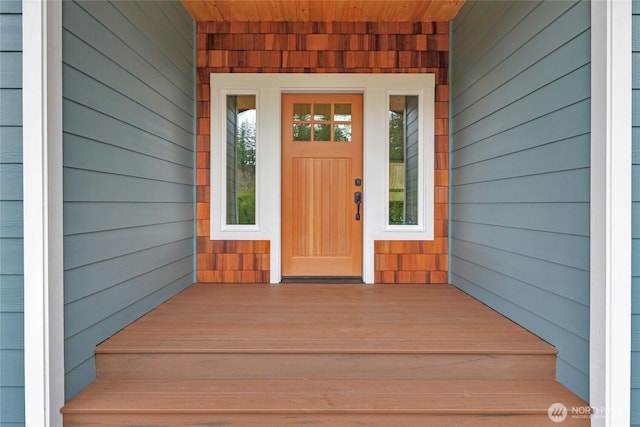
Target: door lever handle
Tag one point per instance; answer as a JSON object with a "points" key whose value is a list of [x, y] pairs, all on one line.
{"points": [[357, 198]]}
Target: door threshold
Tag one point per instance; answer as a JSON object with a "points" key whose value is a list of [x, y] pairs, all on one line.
{"points": [[326, 280]]}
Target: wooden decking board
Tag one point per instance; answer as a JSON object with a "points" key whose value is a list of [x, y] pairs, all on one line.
{"points": [[323, 396]]}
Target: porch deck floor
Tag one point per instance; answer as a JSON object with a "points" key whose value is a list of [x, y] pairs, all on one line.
{"points": [[324, 318]]}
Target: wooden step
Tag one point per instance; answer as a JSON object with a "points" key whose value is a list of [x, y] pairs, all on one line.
{"points": [[326, 366], [320, 402]]}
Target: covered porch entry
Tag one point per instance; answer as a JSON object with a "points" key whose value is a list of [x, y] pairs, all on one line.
{"points": [[160, 251], [275, 355]]}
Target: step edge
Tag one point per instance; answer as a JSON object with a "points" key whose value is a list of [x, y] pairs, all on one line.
{"points": [[220, 411], [552, 352]]}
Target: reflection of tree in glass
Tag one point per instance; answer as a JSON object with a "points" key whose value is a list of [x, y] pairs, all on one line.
{"points": [[322, 133], [302, 132], [247, 145], [246, 151], [396, 137], [342, 133]]}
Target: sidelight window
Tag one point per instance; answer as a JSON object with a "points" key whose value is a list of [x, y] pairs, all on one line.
{"points": [[404, 165], [241, 160]]}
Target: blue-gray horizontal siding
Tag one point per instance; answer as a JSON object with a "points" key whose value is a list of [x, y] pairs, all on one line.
{"points": [[635, 232], [520, 159], [129, 108], [11, 229]]}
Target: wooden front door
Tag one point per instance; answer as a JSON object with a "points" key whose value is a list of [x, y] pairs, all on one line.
{"points": [[321, 174]]}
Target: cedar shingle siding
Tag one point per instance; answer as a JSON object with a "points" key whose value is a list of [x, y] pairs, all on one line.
{"points": [[323, 47]]}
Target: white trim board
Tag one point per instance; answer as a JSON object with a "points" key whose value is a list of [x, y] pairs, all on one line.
{"points": [[42, 190], [610, 305], [269, 88]]}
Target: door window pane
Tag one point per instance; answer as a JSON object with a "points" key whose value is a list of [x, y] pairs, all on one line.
{"points": [[322, 132], [302, 132], [403, 159], [241, 159], [322, 112], [301, 112], [342, 112], [342, 132]]}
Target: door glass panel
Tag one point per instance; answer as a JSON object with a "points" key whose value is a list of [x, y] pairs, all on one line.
{"points": [[403, 159], [241, 159], [302, 132], [302, 113], [321, 132], [322, 112], [342, 112], [342, 132], [322, 125]]}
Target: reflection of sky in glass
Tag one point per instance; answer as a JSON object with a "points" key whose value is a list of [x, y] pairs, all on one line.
{"points": [[342, 113], [248, 116], [322, 112]]}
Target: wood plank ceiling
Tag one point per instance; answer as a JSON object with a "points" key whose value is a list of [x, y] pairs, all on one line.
{"points": [[323, 10]]}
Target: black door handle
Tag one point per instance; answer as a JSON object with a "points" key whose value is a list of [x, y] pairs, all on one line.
{"points": [[357, 198]]}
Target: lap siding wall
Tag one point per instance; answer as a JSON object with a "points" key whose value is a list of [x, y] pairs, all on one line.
{"points": [[11, 223], [520, 169]]}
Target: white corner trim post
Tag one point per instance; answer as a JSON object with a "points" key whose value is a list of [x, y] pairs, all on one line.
{"points": [[611, 178], [42, 195]]}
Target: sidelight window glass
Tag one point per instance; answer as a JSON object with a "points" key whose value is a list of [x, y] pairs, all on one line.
{"points": [[241, 159], [404, 165]]}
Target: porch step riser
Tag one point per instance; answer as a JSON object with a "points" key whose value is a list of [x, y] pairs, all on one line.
{"points": [[342, 420], [327, 366]]}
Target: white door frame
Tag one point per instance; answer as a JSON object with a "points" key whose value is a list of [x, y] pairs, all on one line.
{"points": [[269, 89]]}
